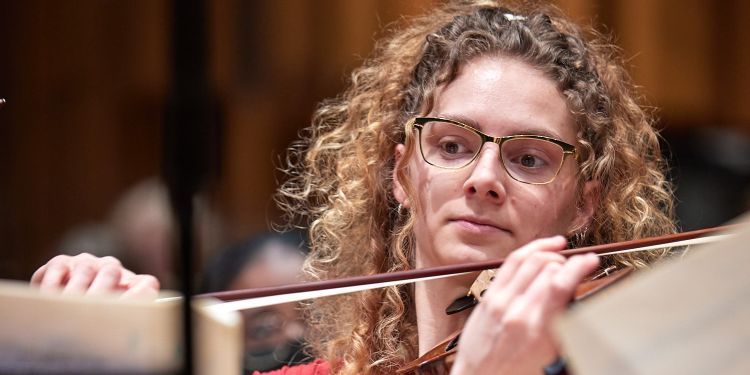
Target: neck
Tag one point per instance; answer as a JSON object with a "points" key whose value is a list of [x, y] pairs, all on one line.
{"points": [[431, 298]]}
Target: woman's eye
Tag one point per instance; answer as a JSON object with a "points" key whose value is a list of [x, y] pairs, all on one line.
{"points": [[530, 161], [451, 147]]}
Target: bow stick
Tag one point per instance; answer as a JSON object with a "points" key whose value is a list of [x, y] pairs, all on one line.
{"points": [[254, 298]]}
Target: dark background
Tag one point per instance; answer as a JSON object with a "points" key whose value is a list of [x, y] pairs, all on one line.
{"points": [[87, 84]]}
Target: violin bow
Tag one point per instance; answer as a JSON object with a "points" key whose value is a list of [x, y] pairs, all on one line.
{"points": [[260, 297]]}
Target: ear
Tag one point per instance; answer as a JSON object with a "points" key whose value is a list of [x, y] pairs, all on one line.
{"points": [[588, 202], [399, 192]]}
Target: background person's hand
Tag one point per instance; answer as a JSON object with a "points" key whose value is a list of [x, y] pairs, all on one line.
{"points": [[509, 331], [87, 274]]}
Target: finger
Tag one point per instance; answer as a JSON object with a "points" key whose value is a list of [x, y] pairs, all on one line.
{"points": [[531, 312], [127, 277], [38, 275], [113, 263], [106, 281], [80, 278], [55, 271], [142, 287], [499, 297], [538, 296], [82, 258], [530, 266], [552, 291], [506, 272], [575, 270], [110, 260], [55, 276]]}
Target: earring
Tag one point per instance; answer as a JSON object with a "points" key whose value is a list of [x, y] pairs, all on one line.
{"points": [[580, 236], [401, 210]]}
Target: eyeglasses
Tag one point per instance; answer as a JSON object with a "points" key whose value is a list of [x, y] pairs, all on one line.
{"points": [[531, 159]]}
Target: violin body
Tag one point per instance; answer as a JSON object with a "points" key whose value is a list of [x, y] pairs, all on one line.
{"points": [[439, 360]]}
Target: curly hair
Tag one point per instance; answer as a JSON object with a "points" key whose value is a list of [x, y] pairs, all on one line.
{"points": [[340, 174]]}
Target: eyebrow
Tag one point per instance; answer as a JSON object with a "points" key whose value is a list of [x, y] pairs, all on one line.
{"points": [[520, 130]]}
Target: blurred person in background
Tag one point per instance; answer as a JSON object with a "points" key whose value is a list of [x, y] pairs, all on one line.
{"points": [[141, 231], [273, 334]]}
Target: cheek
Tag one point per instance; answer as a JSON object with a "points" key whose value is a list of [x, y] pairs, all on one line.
{"points": [[545, 210], [434, 187]]}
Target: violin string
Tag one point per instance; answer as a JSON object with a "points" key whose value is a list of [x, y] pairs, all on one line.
{"points": [[257, 302]]}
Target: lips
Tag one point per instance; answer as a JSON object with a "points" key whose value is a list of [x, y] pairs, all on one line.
{"points": [[479, 225]]}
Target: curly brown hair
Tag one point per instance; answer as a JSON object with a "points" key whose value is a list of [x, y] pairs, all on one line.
{"points": [[340, 173]]}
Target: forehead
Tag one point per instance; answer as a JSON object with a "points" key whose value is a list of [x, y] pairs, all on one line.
{"points": [[504, 96]]}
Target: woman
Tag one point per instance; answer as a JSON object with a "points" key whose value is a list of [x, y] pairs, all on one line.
{"points": [[474, 131]]}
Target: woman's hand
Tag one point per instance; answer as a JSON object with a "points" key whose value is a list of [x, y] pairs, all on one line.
{"points": [[87, 274], [509, 331]]}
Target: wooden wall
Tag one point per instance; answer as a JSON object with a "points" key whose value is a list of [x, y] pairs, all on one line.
{"points": [[86, 84]]}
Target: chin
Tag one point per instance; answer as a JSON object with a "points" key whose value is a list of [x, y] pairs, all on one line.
{"points": [[451, 247], [467, 253]]}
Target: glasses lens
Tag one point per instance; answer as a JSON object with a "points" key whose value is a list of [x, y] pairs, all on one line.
{"points": [[532, 160], [447, 145]]}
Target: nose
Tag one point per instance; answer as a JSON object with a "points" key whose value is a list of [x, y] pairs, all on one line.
{"points": [[487, 177]]}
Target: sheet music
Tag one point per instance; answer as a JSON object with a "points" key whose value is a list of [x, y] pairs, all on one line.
{"points": [[689, 316], [52, 333]]}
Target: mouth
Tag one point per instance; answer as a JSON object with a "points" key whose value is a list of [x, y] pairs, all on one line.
{"points": [[479, 225]]}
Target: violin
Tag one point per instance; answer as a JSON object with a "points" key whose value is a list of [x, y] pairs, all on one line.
{"points": [[439, 359]]}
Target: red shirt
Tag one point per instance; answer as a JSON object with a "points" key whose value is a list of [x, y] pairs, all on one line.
{"points": [[317, 367]]}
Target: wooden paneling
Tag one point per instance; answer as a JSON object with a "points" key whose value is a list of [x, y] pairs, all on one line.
{"points": [[86, 84], [279, 60], [85, 89]]}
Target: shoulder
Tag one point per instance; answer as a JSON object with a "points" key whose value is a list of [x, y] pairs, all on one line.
{"points": [[317, 367]]}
